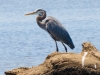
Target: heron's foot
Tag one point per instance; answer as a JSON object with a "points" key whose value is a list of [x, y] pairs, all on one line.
{"points": [[66, 49], [57, 49], [64, 46]]}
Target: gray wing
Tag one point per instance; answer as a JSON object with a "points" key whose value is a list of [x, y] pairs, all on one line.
{"points": [[58, 31]]}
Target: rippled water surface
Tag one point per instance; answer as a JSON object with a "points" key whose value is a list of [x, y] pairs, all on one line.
{"points": [[23, 43]]}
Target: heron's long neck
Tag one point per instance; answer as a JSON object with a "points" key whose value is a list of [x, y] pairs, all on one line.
{"points": [[39, 20]]}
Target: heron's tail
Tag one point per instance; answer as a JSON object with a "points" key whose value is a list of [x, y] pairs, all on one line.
{"points": [[70, 43], [72, 46]]}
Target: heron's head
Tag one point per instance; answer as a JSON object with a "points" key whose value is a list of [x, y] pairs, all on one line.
{"points": [[38, 12]]}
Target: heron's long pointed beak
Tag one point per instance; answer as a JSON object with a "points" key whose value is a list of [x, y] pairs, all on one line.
{"points": [[30, 13]]}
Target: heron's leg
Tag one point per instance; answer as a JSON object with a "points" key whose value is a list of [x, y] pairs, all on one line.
{"points": [[56, 46], [64, 46]]}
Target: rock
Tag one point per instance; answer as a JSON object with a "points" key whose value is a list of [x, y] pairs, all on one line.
{"points": [[16, 71], [88, 47], [85, 63]]}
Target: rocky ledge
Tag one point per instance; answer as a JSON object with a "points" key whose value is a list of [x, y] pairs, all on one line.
{"points": [[85, 63]]}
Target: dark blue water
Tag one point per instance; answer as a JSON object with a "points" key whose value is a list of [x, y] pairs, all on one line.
{"points": [[23, 43]]}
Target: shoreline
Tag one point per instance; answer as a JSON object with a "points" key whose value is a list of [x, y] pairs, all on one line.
{"points": [[57, 63]]}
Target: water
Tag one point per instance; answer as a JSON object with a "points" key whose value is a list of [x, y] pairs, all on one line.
{"points": [[23, 43]]}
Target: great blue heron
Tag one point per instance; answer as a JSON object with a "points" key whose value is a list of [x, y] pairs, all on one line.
{"points": [[54, 28]]}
